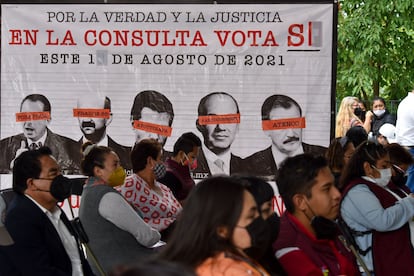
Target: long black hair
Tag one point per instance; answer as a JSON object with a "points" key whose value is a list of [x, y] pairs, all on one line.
{"points": [[366, 152], [214, 203]]}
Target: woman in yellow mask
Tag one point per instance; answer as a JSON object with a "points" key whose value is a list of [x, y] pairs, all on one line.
{"points": [[117, 233]]}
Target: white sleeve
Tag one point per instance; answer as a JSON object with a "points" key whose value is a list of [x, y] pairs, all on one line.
{"points": [[114, 208]]}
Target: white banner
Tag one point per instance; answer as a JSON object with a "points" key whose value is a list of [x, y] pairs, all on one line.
{"points": [[185, 52]]}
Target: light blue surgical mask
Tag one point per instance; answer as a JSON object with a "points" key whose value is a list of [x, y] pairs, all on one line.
{"points": [[385, 176]]}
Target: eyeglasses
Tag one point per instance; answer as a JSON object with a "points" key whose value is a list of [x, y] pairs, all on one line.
{"points": [[400, 170]]}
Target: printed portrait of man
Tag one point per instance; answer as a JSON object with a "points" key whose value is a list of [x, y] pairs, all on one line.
{"points": [[152, 115], [218, 122], [282, 121], [35, 116], [94, 116]]}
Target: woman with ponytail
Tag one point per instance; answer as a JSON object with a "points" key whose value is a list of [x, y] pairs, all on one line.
{"points": [[117, 233]]}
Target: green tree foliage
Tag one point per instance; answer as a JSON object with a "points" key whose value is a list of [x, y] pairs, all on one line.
{"points": [[375, 48]]}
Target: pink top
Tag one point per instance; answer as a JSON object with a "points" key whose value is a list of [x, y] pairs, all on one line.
{"points": [[158, 211]]}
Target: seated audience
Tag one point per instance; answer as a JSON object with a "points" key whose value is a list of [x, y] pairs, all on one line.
{"points": [[44, 240], [184, 159], [338, 154], [378, 220], [263, 194], [117, 233], [308, 242], [143, 190], [219, 223]]}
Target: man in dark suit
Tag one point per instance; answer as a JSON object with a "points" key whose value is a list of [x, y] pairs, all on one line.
{"points": [[94, 116], [282, 121], [218, 121], [152, 115], [44, 240], [35, 116]]}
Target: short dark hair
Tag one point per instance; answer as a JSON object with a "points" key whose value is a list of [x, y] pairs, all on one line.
{"points": [[276, 101], [379, 99], [202, 110], [186, 143], [208, 207], [107, 103], [260, 189], [366, 152], [27, 165], [399, 155], [297, 175], [93, 155], [357, 135], [336, 151], [37, 98], [153, 100], [142, 150]]}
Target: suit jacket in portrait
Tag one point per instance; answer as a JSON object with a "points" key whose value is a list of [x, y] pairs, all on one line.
{"points": [[203, 171], [123, 152], [37, 248], [262, 163], [65, 150]]}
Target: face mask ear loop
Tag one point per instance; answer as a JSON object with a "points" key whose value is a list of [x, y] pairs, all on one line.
{"points": [[70, 206], [313, 213]]}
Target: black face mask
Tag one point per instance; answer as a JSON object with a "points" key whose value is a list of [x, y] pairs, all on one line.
{"points": [[274, 224], [325, 229], [399, 179], [359, 112], [61, 188], [259, 232]]}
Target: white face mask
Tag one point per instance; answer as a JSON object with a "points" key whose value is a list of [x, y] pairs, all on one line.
{"points": [[379, 112], [385, 176]]}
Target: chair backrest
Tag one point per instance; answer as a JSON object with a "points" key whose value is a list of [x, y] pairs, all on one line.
{"points": [[7, 195]]}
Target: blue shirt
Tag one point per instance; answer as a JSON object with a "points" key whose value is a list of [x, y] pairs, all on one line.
{"points": [[362, 211]]}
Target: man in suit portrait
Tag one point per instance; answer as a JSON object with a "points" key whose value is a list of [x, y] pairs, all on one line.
{"points": [[152, 115], [282, 121], [44, 241], [94, 116], [218, 121], [35, 116]]}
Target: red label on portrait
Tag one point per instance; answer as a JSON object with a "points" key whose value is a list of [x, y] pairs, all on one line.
{"points": [[284, 123], [91, 113], [219, 119], [153, 128], [32, 116]]}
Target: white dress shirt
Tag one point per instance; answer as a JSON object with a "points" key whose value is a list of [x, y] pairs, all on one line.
{"points": [[68, 241], [211, 159]]}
